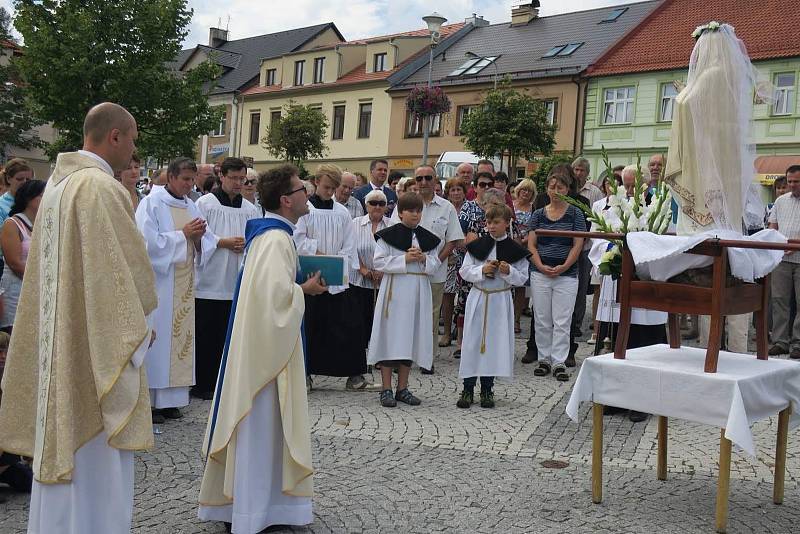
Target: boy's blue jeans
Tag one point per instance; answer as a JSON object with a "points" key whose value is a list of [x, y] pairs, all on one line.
{"points": [[487, 383]]}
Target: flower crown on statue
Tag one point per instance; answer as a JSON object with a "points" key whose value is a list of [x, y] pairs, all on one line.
{"points": [[710, 27]]}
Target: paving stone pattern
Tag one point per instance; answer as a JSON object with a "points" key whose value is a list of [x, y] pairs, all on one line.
{"points": [[436, 468]]}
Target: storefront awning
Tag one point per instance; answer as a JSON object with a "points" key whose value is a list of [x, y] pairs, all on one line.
{"points": [[770, 167]]}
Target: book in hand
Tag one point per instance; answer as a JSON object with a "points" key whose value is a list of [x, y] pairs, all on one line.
{"points": [[331, 268]]}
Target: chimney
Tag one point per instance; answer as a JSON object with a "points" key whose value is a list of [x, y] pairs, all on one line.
{"points": [[476, 20], [217, 37], [523, 14]]}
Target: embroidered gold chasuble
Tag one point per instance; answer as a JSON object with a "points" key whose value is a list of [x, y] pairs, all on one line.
{"points": [[181, 362], [87, 291]]}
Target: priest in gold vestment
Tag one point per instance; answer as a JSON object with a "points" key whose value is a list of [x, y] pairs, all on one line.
{"points": [[257, 446], [75, 394]]}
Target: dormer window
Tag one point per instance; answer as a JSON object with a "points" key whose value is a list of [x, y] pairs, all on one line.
{"points": [[299, 66], [269, 79], [379, 62]]}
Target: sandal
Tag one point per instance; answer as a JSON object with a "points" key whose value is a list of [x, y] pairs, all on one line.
{"points": [[404, 395], [560, 373], [457, 354], [542, 370]]}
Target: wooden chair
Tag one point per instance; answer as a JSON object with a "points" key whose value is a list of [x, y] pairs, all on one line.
{"points": [[716, 301]]}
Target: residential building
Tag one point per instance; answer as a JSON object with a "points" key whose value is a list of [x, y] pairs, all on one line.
{"points": [[240, 60], [347, 81], [543, 56], [36, 157], [631, 90]]}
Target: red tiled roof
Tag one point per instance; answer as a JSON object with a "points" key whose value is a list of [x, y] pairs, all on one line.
{"points": [[360, 74], [664, 40]]}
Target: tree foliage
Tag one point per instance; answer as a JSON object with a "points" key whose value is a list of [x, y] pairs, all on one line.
{"points": [[298, 135], [83, 52], [547, 163], [17, 123], [508, 122]]}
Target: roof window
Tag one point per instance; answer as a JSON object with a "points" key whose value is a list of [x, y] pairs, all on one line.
{"points": [[562, 50], [614, 15], [473, 66]]}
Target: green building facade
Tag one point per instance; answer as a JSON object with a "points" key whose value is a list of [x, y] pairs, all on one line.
{"points": [[632, 113]]}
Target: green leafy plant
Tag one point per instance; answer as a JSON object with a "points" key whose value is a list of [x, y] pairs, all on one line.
{"points": [[298, 135]]}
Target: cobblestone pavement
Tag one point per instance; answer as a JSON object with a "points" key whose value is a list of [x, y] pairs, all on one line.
{"points": [[435, 468]]}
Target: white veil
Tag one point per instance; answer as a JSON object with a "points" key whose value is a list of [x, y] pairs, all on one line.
{"points": [[722, 80]]}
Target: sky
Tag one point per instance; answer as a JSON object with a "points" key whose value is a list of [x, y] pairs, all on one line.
{"points": [[354, 18]]}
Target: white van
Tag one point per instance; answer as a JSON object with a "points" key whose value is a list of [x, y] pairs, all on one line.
{"points": [[449, 161]]}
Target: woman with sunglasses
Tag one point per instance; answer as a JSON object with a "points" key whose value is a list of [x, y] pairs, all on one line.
{"points": [[455, 190], [365, 281], [249, 187]]}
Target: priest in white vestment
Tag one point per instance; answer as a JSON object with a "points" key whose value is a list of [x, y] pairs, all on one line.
{"points": [[177, 239], [257, 445], [226, 213], [74, 390]]}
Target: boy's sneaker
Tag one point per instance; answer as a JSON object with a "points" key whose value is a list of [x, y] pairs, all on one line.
{"points": [[467, 398], [487, 399], [404, 395], [387, 400]]}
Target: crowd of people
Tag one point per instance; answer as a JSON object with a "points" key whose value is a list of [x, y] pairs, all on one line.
{"points": [[196, 278]]}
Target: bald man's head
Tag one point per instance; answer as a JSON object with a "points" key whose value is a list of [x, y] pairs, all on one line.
{"points": [[110, 132], [105, 117]]}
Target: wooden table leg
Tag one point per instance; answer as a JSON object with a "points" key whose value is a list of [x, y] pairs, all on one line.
{"points": [[780, 455], [597, 453], [661, 470], [724, 484]]}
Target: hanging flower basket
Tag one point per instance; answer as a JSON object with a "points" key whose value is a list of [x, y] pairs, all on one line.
{"points": [[423, 101]]}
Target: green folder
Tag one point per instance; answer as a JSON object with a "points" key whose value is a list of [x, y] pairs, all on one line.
{"points": [[331, 268]]}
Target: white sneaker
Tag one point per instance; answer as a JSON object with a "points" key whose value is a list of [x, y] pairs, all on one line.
{"points": [[592, 340]]}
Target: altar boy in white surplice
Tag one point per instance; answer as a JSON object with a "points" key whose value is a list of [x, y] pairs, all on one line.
{"points": [[494, 265], [177, 240], [406, 254], [226, 212]]}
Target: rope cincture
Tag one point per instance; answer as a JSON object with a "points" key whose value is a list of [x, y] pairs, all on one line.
{"points": [[389, 293], [486, 293]]}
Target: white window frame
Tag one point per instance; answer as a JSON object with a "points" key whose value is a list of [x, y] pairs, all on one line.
{"points": [[334, 123], [784, 95], [379, 62], [299, 71], [319, 69], [618, 108], [667, 102], [220, 131], [462, 112], [552, 111], [415, 123], [269, 77]]}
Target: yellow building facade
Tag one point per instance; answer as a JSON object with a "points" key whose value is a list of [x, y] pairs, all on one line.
{"points": [[564, 99], [346, 81]]}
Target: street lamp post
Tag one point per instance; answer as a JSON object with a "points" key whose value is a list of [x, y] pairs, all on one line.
{"points": [[494, 63], [434, 22]]}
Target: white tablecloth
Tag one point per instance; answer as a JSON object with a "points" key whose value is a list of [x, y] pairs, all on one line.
{"points": [[671, 382], [660, 257]]}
